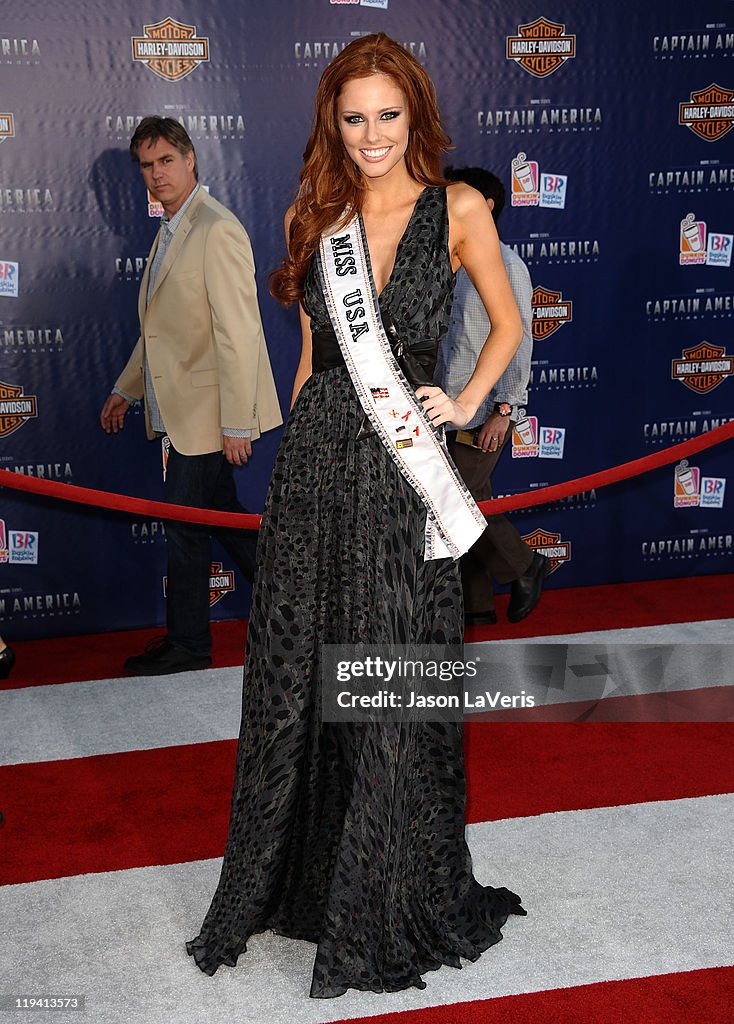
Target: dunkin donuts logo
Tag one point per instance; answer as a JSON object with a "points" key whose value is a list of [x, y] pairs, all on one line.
{"points": [[692, 241], [7, 127], [15, 408], [170, 49], [550, 545], [541, 47], [703, 367], [550, 311], [221, 582], [694, 249], [709, 113], [155, 208]]}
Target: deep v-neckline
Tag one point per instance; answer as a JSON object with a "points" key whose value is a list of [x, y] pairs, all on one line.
{"points": [[397, 247]]}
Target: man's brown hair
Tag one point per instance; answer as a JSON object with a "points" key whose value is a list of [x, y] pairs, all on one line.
{"points": [[152, 128]]}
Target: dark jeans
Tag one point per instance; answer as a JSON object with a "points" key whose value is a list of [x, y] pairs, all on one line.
{"points": [[500, 551], [204, 481]]}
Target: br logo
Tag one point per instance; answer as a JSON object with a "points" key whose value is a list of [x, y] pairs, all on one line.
{"points": [[709, 112], [550, 311], [170, 49], [541, 47], [550, 545], [15, 408], [703, 367]]}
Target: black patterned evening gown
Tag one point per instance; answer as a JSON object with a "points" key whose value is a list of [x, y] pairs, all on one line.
{"points": [[351, 836]]}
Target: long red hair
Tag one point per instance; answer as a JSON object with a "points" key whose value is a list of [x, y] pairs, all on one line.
{"points": [[331, 185]]}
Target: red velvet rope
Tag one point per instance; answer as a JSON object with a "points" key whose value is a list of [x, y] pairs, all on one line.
{"points": [[249, 521]]}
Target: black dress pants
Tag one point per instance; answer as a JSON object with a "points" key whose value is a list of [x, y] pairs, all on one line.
{"points": [[500, 552], [203, 481]]}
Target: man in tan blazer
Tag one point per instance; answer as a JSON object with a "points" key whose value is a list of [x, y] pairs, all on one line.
{"points": [[202, 368]]}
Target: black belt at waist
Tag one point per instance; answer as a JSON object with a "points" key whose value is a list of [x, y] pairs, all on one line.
{"points": [[417, 360]]}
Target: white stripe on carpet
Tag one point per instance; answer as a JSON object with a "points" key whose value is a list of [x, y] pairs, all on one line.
{"points": [[48, 723], [612, 893]]}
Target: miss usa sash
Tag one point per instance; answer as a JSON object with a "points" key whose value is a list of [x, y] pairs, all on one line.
{"points": [[453, 521]]}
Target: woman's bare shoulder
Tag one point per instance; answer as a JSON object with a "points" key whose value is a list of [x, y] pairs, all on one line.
{"points": [[464, 202]]}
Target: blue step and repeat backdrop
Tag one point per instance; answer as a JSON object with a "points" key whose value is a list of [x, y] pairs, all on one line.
{"points": [[612, 126]]}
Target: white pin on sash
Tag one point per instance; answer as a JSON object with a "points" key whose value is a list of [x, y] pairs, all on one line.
{"points": [[453, 520]]}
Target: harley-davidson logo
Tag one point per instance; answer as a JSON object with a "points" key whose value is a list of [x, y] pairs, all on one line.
{"points": [[170, 49], [550, 545], [15, 408], [221, 582], [709, 113], [7, 127], [703, 367], [550, 311], [541, 47]]}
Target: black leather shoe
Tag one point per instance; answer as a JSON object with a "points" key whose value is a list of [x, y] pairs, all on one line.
{"points": [[7, 660], [488, 618], [526, 589], [162, 657]]}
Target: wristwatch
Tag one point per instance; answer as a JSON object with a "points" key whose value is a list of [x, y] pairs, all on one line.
{"points": [[503, 408]]}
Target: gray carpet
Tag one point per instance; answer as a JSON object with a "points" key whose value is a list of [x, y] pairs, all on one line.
{"points": [[612, 893]]}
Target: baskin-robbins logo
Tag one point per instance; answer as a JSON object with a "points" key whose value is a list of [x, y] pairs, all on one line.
{"points": [[541, 47], [9, 279], [531, 187], [549, 544], [532, 441], [698, 248], [691, 490], [23, 547], [709, 112], [170, 49], [550, 311], [703, 367], [15, 408], [718, 253], [7, 127], [221, 582]]}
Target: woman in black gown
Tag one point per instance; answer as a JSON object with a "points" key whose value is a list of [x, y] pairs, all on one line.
{"points": [[351, 836]]}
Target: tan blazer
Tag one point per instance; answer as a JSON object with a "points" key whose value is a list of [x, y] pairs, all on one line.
{"points": [[202, 335]]}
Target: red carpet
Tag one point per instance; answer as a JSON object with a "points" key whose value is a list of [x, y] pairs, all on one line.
{"points": [[693, 997], [616, 606], [170, 805]]}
